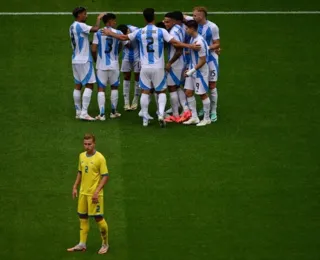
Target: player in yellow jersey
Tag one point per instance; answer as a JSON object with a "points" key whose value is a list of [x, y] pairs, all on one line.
{"points": [[92, 176]]}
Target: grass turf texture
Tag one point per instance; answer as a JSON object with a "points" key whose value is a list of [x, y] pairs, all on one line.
{"points": [[244, 188]]}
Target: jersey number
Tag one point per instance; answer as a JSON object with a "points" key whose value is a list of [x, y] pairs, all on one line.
{"points": [[213, 73], [98, 208], [108, 45], [150, 42], [73, 41], [86, 169], [197, 86]]}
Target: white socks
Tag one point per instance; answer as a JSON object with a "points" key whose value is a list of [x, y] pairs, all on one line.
{"points": [[77, 100], [206, 108], [144, 103], [137, 91], [182, 99], [126, 91], [162, 100], [101, 102], [114, 100], [193, 106], [86, 97], [174, 99], [214, 100]]}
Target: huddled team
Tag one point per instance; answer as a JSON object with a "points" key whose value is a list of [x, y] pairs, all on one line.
{"points": [[193, 46]]}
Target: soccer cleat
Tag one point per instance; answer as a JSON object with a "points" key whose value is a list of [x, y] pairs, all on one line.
{"points": [[77, 248], [101, 117], [145, 122], [192, 121], [185, 116], [171, 119], [114, 115], [169, 111], [204, 122], [162, 123], [201, 113], [141, 115], [103, 250], [86, 117], [134, 104], [127, 107], [214, 117], [78, 113]]}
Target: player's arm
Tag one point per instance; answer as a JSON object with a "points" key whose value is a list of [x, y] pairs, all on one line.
{"points": [[178, 44], [201, 62], [174, 58], [121, 37], [96, 27], [94, 47], [215, 45], [104, 179], [76, 184]]}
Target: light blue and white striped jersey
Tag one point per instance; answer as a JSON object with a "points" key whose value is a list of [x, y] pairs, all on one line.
{"points": [[108, 50], [201, 53], [177, 33], [151, 45], [79, 35], [131, 53], [210, 32]]}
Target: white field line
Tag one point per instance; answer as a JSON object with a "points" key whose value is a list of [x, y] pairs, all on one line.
{"points": [[133, 13]]}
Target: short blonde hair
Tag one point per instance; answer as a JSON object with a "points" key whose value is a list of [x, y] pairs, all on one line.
{"points": [[201, 9], [89, 136]]}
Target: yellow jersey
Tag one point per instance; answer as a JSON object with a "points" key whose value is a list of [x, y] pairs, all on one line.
{"points": [[92, 169]]}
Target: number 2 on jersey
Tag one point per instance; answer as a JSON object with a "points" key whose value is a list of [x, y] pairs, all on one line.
{"points": [[150, 42], [108, 45], [86, 169]]}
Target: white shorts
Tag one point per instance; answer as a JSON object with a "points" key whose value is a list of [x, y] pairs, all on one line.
{"points": [[83, 73], [105, 77], [198, 84], [128, 66], [174, 77], [152, 78], [213, 69]]}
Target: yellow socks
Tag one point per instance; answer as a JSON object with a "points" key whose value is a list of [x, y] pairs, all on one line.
{"points": [[84, 229], [103, 226]]}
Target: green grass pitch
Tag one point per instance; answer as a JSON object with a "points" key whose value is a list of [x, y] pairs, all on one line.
{"points": [[245, 188]]}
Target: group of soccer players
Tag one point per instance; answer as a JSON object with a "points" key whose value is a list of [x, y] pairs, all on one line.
{"points": [[193, 46]]}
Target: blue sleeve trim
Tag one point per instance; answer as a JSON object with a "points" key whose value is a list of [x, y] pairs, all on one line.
{"points": [[106, 174]]}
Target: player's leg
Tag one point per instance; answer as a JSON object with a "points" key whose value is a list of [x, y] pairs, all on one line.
{"points": [[77, 90], [173, 83], [88, 79], [201, 83], [145, 85], [137, 89], [189, 90], [159, 82], [84, 224], [102, 77], [96, 210], [115, 82], [213, 78], [126, 70]]}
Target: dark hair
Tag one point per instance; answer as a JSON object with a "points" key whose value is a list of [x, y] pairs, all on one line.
{"points": [[170, 15], [123, 28], [107, 17], [192, 24], [78, 10], [178, 15], [148, 14], [161, 25]]}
